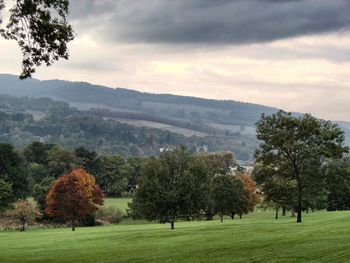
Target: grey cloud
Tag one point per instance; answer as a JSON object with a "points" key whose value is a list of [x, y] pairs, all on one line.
{"points": [[212, 21], [90, 8]]}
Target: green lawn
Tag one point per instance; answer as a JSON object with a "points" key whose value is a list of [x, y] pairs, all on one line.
{"points": [[322, 237], [121, 203]]}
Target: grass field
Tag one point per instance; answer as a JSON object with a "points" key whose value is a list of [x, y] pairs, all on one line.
{"points": [[322, 237], [121, 203]]}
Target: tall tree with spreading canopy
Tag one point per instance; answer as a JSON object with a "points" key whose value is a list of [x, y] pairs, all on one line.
{"points": [[170, 188], [294, 144], [41, 30], [227, 193], [74, 196], [214, 164]]}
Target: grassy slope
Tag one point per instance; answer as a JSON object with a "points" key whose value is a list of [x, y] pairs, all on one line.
{"points": [[322, 237]]}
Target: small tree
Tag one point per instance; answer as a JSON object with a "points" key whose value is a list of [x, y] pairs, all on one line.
{"points": [[74, 196], [253, 198], [24, 211]]}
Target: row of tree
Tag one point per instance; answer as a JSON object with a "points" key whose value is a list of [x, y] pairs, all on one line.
{"points": [[300, 164], [182, 186], [176, 186], [33, 171]]}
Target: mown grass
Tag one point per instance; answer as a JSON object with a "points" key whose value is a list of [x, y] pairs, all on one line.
{"points": [[120, 203], [322, 237]]}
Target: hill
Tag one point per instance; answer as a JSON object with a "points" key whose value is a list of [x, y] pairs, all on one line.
{"points": [[213, 124], [84, 96], [24, 119]]}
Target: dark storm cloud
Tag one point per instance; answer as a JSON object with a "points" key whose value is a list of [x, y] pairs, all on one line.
{"points": [[212, 21]]}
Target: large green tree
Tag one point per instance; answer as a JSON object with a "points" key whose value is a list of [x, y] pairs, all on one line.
{"points": [[229, 195], [41, 30], [294, 144], [214, 164], [170, 188]]}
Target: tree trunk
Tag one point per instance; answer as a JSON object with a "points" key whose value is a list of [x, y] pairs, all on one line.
{"points": [[233, 216], [240, 216], [172, 223], [299, 208], [73, 225], [284, 210], [292, 211], [23, 225], [222, 218], [307, 210], [277, 208]]}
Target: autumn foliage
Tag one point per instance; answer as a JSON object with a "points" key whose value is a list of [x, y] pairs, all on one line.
{"points": [[250, 187], [24, 211], [74, 196]]}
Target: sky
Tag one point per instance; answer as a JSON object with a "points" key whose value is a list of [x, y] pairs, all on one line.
{"points": [[291, 54]]}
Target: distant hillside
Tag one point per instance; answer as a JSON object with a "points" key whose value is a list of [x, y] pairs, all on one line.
{"points": [[212, 124], [84, 95], [24, 119]]}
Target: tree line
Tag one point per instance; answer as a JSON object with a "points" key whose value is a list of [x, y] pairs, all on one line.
{"points": [[301, 164], [177, 185], [181, 186]]}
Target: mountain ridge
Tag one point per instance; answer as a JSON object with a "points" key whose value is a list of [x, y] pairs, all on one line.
{"points": [[185, 115]]}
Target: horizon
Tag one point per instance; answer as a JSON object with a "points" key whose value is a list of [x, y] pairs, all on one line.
{"points": [[172, 94]]}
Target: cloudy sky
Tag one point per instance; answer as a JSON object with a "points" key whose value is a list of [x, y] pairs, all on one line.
{"points": [[292, 54]]}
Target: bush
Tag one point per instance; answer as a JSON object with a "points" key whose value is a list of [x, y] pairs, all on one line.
{"points": [[23, 211], [89, 220], [109, 215]]}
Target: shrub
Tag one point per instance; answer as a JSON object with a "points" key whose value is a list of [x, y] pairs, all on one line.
{"points": [[89, 220], [109, 215]]}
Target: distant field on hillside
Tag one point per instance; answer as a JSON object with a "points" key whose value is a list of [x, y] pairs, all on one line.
{"points": [[322, 237], [157, 125]]}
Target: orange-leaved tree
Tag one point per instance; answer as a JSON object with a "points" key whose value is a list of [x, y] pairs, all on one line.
{"points": [[74, 196], [250, 187]]}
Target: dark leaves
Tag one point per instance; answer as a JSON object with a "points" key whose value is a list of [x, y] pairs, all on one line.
{"points": [[41, 30]]}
